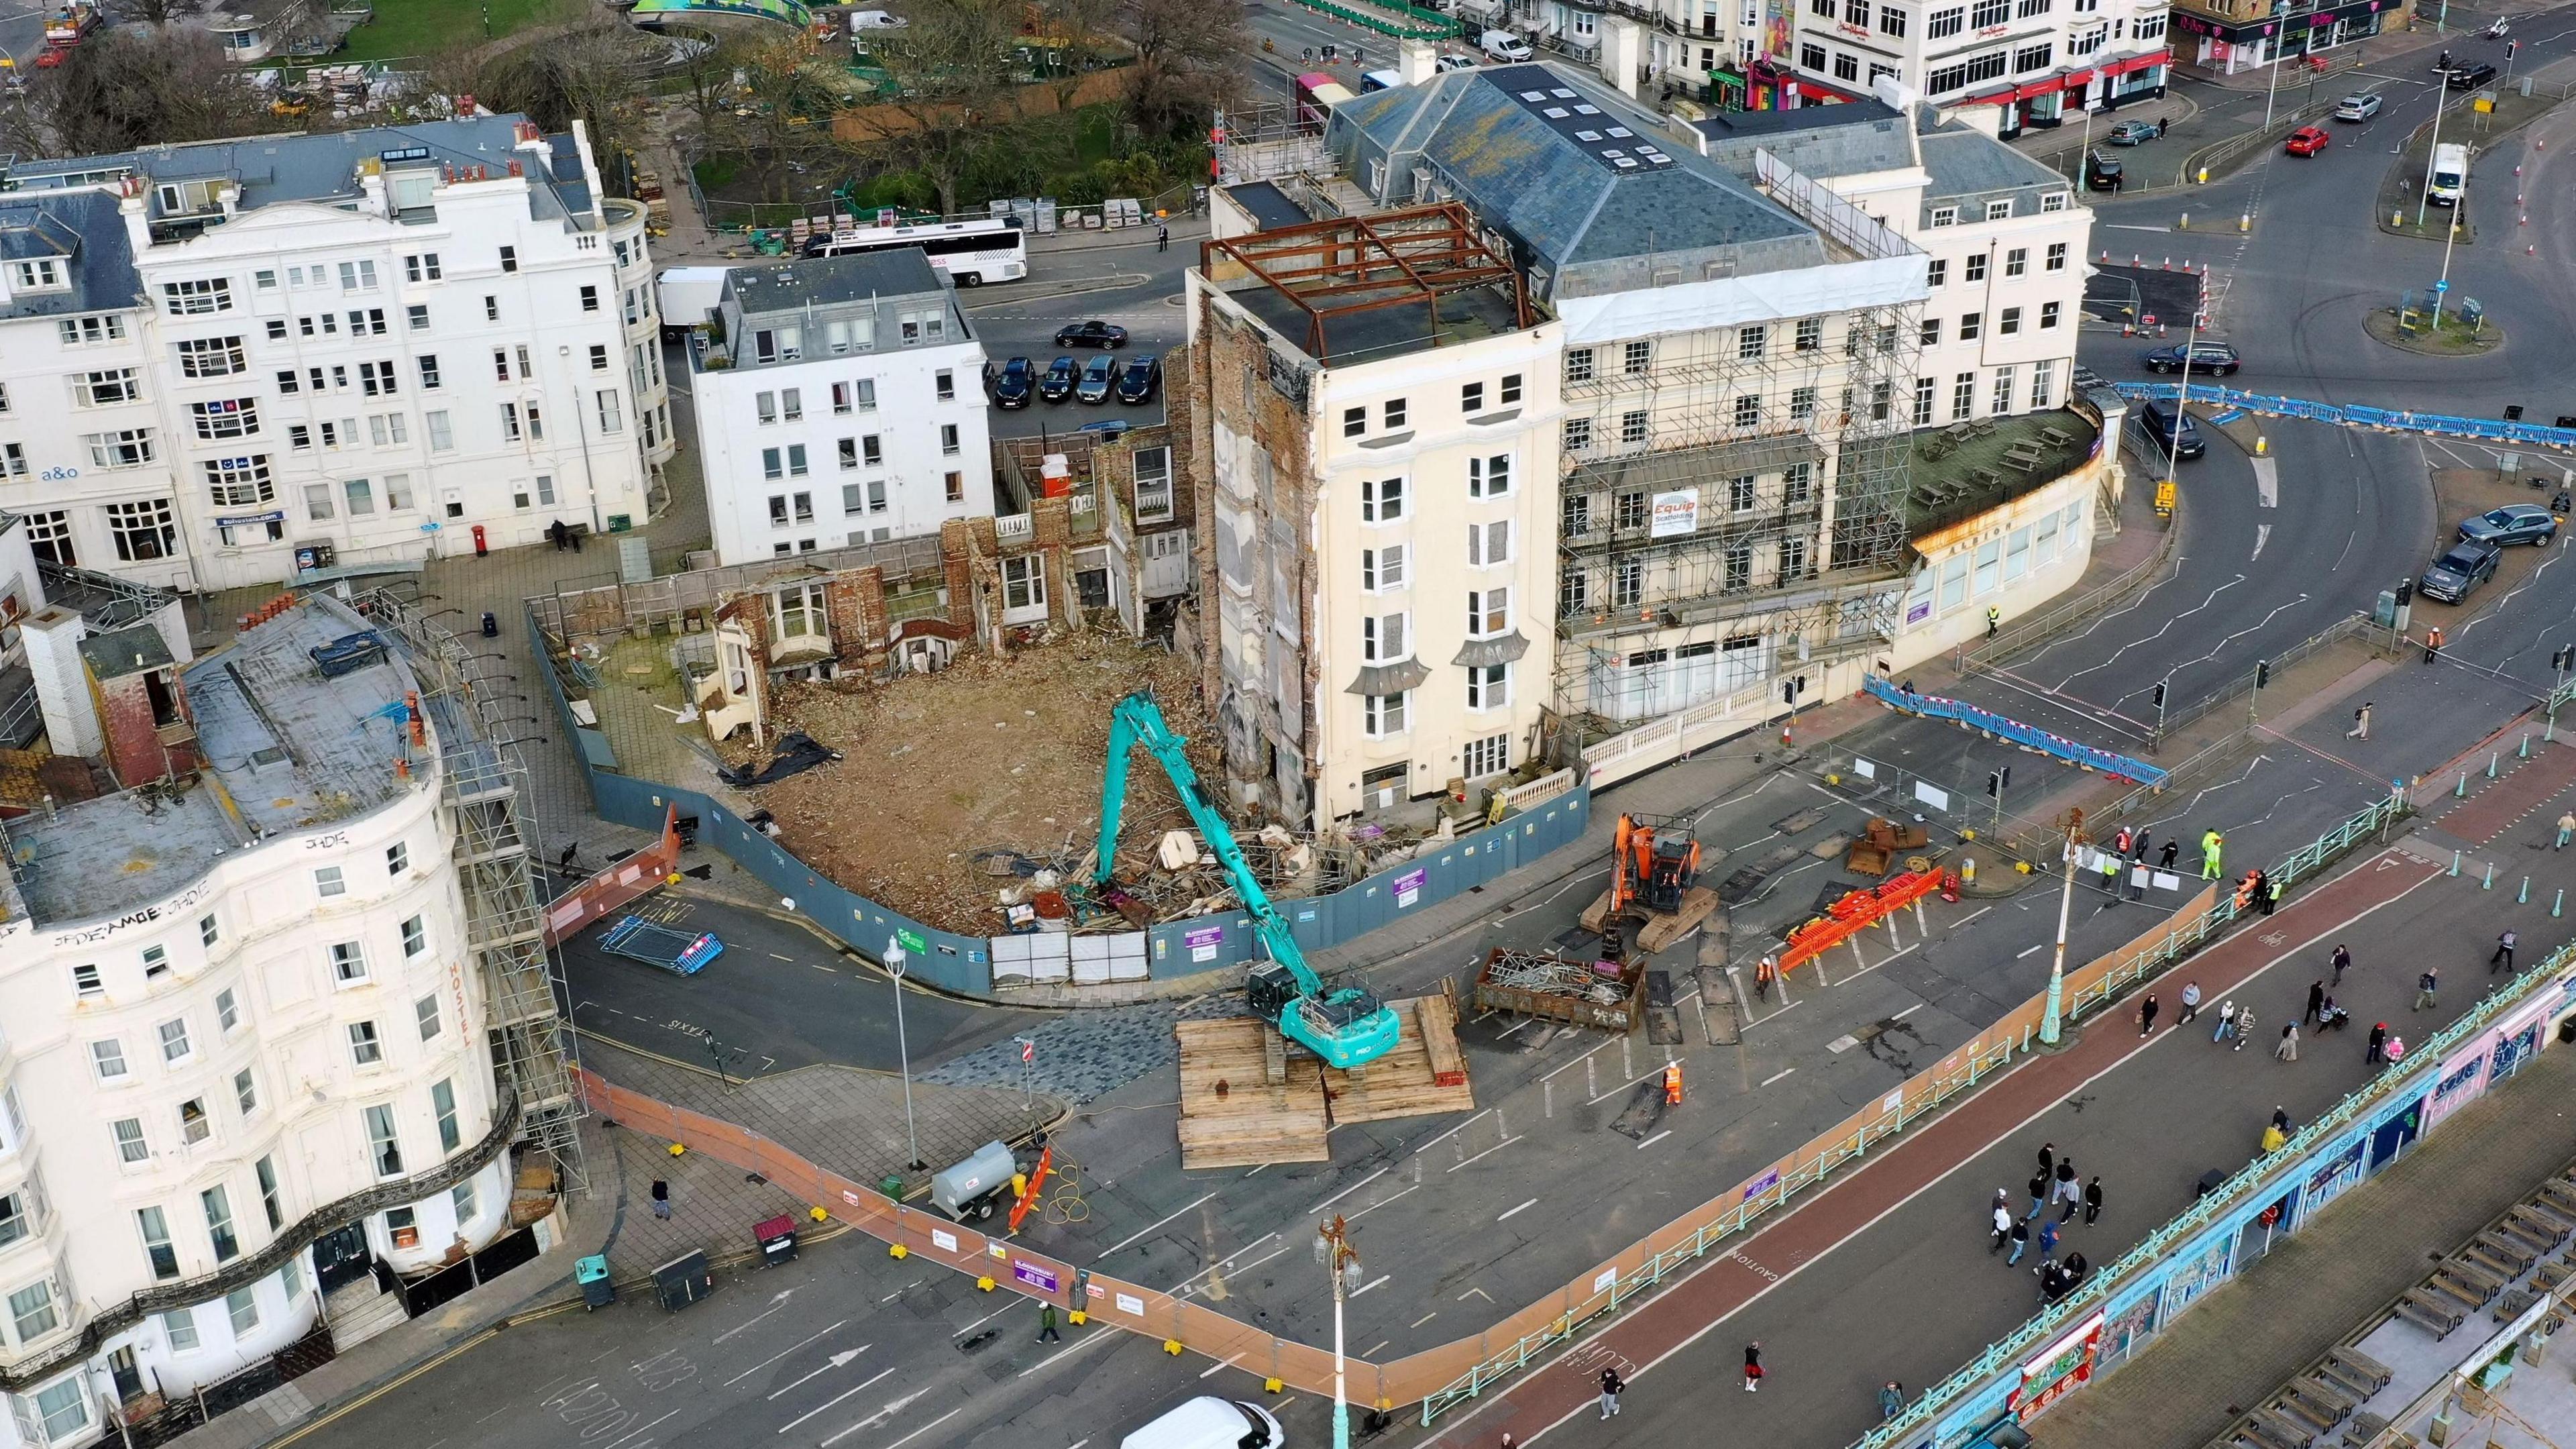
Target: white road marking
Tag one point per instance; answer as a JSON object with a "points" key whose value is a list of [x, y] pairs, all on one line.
{"points": [[1766, 1081], [1221, 1367], [2262, 536], [777, 1301], [1376, 1282], [1649, 1075], [1077, 1346], [879, 1417], [1651, 1141], [924, 1429], [1909, 1011], [810, 1413], [835, 1361], [1426, 1318], [782, 1353], [1346, 1192], [1524, 1207], [2042, 946], [1381, 1202], [2267, 482], [1148, 1228], [980, 1322], [1488, 1152]]}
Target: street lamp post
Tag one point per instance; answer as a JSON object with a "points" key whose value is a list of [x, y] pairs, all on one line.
{"points": [[2052, 1020], [2424, 194], [894, 959], [1342, 1263], [2273, 46]]}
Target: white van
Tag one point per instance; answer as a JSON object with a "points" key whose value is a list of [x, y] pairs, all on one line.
{"points": [[1503, 45], [2450, 174], [687, 295], [1208, 1422]]}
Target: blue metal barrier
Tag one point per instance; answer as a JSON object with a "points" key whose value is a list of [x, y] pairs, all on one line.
{"points": [[1933, 706], [2529, 435]]}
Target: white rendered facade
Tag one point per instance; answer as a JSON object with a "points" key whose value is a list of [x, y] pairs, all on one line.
{"points": [[385, 356], [847, 408]]}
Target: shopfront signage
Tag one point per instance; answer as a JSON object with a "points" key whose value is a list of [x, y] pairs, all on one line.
{"points": [[2060, 1368]]}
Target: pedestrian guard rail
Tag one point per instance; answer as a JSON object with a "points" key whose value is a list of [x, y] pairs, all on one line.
{"points": [[2262, 1180], [2038, 630], [2395, 420], [1933, 706]]}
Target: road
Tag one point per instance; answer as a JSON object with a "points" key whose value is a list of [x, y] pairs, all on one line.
{"points": [[1131, 283]]}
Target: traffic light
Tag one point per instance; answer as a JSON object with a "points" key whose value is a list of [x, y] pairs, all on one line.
{"points": [[1997, 779], [2262, 674], [2405, 592], [2160, 694], [2563, 658]]}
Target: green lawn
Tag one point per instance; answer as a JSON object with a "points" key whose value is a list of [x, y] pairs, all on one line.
{"points": [[405, 28]]}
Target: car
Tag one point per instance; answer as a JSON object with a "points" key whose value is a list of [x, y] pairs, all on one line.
{"points": [[2514, 523], [2456, 574], [1057, 385], [2209, 357], [2306, 141], [1138, 380], [1094, 333], [2101, 172], [1106, 429], [2357, 108], [1504, 46], [1096, 380], [50, 57], [1208, 1422], [1455, 61], [2159, 423], [2132, 133], [1012, 385], [2470, 75]]}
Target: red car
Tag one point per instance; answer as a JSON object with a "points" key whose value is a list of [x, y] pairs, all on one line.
{"points": [[49, 58], [2305, 141]]}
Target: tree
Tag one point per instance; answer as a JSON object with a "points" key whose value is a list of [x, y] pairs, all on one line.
{"points": [[583, 73], [1079, 28], [956, 98], [1186, 53], [122, 89]]}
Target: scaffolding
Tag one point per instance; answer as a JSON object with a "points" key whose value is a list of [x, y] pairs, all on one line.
{"points": [[1752, 472], [484, 787]]}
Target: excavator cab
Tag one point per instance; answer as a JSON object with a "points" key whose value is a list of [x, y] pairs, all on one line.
{"points": [[1671, 869]]}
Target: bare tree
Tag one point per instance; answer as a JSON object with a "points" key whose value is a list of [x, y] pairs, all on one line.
{"points": [[1078, 30], [1186, 53], [121, 89], [957, 92], [584, 72]]}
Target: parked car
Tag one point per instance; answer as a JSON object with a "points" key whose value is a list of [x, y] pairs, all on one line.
{"points": [[1012, 385], [2306, 141], [2206, 357], [1138, 380], [2158, 423], [1096, 380], [2357, 108], [1455, 61], [2101, 172], [1094, 333], [2456, 575], [2131, 133], [2514, 523], [1057, 385]]}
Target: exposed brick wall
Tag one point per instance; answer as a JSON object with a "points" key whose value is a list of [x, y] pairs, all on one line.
{"points": [[133, 745]]}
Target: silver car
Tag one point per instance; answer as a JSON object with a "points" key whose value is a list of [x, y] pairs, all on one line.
{"points": [[2357, 108]]}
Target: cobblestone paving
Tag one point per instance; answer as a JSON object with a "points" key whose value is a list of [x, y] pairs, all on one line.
{"points": [[1091, 1053]]}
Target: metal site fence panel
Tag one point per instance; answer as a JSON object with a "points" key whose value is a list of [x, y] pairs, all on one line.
{"points": [[2535, 435], [1968, 1402]]}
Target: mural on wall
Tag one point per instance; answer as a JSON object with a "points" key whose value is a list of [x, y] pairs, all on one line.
{"points": [[2463, 1078], [1775, 29], [2331, 1177], [2128, 1330], [2197, 1274]]}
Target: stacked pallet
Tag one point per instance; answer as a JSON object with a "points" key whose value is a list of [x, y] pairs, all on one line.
{"points": [[1426, 1073], [1245, 1099]]}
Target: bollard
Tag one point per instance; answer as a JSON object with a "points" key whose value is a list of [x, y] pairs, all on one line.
{"points": [[2557, 901], [2204, 176], [2397, 219], [2462, 793], [2244, 221], [2455, 863], [2492, 757], [2525, 752], [2168, 266], [2489, 883], [2261, 443], [2523, 896], [2186, 222]]}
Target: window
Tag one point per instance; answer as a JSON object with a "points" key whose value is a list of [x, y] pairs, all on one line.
{"points": [[1573, 593], [945, 381], [460, 1200], [425, 1012], [1024, 583], [15, 1218], [1972, 326], [174, 1041], [377, 379], [1973, 71], [1751, 343], [1945, 23], [219, 1223], [62, 1410], [2003, 390], [2008, 322], [1811, 334], [442, 438], [1740, 495], [2016, 261], [1812, 57], [239, 482], [266, 1171], [2002, 210], [2056, 261], [1385, 638], [1354, 422], [1489, 545], [327, 882], [1489, 477], [1381, 500], [91, 331], [198, 298], [319, 503], [442, 1101], [179, 1326], [368, 323], [1793, 560], [1471, 397], [1846, 64], [131, 1147], [1937, 273], [1748, 411], [49, 534], [2025, 60], [421, 267], [1636, 357], [31, 1313], [1578, 434], [1963, 396], [599, 357], [194, 1125], [1924, 391], [1632, 428], [365, 1048], [107, 1058], [509, 259], [1382, 568], [612, 417], [1739, 568], [1489, 612], [227, 1005], [41, 274], [1578, 364], [1802, 403], [1510, 391], [1394, 412], [1975, 269], [2043, 383], [124, 448], [948, 439], [246, 1092], [1489, 686], [243, 1308], [1632, 509], [2048, 314], [1930, 332], [1891, 21], [1383, 714], [348, 963], [1627, 584], [103, 388]]}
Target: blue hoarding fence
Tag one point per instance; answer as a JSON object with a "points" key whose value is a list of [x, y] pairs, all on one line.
{"points": [[1933, 706], [2396, 420]]}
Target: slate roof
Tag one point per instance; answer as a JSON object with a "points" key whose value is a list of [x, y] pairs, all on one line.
{"points": [[1852, 139], [1584, 184], [822, 281], [81, 225]]}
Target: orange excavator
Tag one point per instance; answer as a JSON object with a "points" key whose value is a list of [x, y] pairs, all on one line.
{"points": [[1655, 897]]}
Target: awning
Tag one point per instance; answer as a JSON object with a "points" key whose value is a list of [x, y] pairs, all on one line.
{"points": [[1479, 653], [2136, 62], [1379, 679]]}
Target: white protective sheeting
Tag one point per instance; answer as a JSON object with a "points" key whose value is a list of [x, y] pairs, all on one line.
{"points": [[1735, 301]]}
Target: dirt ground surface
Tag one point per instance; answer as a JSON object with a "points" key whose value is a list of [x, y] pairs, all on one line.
{"points": [[2465, 493], [989, 754]]}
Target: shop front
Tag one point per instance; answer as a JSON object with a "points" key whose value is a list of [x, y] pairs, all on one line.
{"points": [[2062, 97], [2228, 47]]}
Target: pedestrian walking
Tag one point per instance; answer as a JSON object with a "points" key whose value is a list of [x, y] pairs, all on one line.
{"points": [[2048, 1238], [2120, 841], [2316, 1002], [2048, 1158], [1752, 1366], [2342, 963], [2288, 1050], [2003, 1224], [2425, 986], [1891, 1400], [2038, 1195], [2147, 1015], [1046, 1324], [2396, 1048], [2068, 1189], [2244, 1027], [1994, 620], [1765, 972], [2212, 844], [2503, 957], [1162, 237], [1611, 1384], [2378, 1052], [2226, 1021], [2360, 723], [2020, 1241], [661, 1199], [2566, 828], [2433, 644], [2138, 852], [2092, 1200], [2172, 849], [2273, 1137], [2190, 1002]]}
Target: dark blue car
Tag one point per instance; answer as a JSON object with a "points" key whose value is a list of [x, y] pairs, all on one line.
{"points": [[1013, 384]]}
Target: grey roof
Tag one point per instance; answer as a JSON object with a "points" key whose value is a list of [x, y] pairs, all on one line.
{"points": [[822, 281], [324, 167], [1969, 163], [124, 652], [80, 225], [1581, 181], [1267, 204], [1824, 142]]}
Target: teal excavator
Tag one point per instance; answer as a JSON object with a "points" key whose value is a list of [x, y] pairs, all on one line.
{"points": [[1347, 1026]]}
